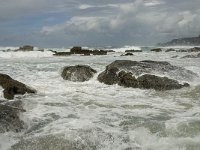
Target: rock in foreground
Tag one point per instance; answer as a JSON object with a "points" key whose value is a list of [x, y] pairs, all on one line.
{"points": [[123, 72], [78, 73], [12, 87], [9, 116]]}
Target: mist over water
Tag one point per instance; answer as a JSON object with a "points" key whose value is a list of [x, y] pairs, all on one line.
{"points": [[94, 116]]}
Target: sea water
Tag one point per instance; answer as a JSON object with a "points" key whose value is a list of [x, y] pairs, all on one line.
{"points": [[90, 115]]}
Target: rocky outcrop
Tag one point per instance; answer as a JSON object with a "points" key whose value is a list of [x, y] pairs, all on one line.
{"points": [[78, 73], [124, 73], [156, 50], [12, 87], [9, 116], [61, 53], [194, 49]]}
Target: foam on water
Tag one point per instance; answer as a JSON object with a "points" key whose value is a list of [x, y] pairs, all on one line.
{"points": [[92, 115]]}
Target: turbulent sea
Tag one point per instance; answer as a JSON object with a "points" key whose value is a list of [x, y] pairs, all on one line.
{"points": [[90, 115]]}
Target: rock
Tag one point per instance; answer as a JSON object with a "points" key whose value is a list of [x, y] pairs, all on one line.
{"points": [[127, 54], [170, 50], [127, 79], [9, 116], [78, 73], [156, 50], [192, 56], [195, 49], [148, 81], [133, 51], [79, 50], [174, 56], [62, 53], [12, 87], [25, 48], [114, 71]]}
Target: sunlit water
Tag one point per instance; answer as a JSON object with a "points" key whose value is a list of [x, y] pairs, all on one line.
{"points": [[66, 115]]}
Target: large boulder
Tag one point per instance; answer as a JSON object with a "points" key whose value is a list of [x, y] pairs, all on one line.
{"points": [[12, 87], [9, 116], [78, 73], [124, 73]]}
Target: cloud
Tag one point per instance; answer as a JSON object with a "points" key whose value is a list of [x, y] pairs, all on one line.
{"points": [[91, 22]]}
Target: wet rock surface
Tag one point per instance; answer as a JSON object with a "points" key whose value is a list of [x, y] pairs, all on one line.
{"points": [[9, 116], [12, 87], [124, 73], [192, 56], [78, 73]]}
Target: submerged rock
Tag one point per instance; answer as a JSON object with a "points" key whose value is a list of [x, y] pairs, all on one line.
{"points": [[61, 53], [133, 51], [79, 73], [156, 50], [127, 54], [123, 72], [170, 50], [12, 87], [9, 116]]}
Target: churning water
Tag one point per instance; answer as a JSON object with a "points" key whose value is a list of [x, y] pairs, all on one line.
{"points": [[66, 115]]}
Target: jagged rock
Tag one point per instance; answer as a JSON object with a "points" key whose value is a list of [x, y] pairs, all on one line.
{"points": [[79, 73], [122, 72], [156, 50], [9, 116], [12, 87]]}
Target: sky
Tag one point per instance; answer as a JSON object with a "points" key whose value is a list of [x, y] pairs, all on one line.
{"points": [[64, 23]]}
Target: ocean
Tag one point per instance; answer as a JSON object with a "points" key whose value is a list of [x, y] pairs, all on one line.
{"points": [[90, 115]]}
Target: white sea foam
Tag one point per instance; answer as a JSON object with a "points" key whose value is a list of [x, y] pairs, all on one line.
{"points": [[100, 116]]}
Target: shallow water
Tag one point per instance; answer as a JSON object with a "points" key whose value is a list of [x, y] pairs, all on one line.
{"points": [[91, 115]]}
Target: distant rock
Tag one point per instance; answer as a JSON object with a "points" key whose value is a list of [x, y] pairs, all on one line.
{"points": [[9, 116], [124, 72], [25, 48], [12, 87], [156, 50], [61, 53], [133, 51], [192, 56], [194, 49], [188, 41], [78, 73], [127, 54], [79, 50], [170, 50]]}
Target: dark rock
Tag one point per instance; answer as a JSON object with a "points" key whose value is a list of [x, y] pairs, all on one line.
{"points": [[12, 87], [127, 54], [182, 50], [79, 50], [170, 50], [156, 50], [115, 71], [62, 53], [25, 48], [148, 81], [127, 79], [9, 116], [133, 51], [174, 56], [79, 73], [109, 51]]}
